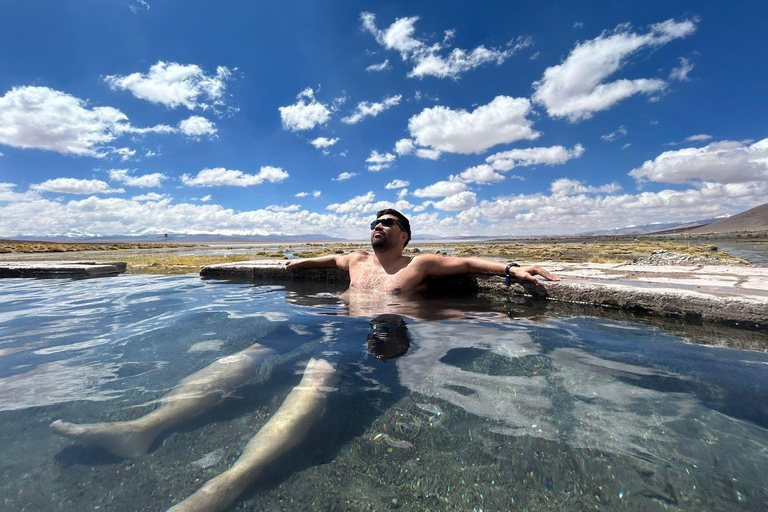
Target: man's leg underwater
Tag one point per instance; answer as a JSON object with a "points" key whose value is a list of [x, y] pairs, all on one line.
{"points": [[195, 394], [287, 427]]}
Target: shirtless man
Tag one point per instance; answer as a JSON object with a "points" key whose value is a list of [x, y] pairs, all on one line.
{"points": [[387, 270]]}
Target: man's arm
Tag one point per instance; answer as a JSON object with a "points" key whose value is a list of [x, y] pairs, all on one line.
{"points": [[434, 265], [333, 261]]}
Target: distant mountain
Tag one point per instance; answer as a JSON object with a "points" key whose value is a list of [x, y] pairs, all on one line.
{"points": [[755, 219], [647, 229]]}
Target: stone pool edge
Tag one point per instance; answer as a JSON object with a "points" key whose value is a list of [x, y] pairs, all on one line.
{"points": [[724, 293]]}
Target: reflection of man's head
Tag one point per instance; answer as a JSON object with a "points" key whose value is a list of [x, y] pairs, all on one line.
{"points": [[389, 337]]}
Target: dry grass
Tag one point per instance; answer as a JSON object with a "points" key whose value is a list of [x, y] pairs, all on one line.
{"points": [[10, 246], [597, 251], [162, 264]]}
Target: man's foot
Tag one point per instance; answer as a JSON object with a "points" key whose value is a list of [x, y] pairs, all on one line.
{"points": [[120, 438]]}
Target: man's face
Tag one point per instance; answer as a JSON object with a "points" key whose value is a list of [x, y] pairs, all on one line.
{"points": [[383, 237]]}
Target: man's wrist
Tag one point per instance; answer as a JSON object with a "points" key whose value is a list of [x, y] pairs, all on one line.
{"points": [[506, 272]]}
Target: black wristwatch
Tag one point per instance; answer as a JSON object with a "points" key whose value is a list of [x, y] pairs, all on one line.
{"points": [[506, 271]]}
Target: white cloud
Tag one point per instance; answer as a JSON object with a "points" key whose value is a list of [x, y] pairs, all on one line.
{"points": [[205, 198], [457, 202], [404, 147], [534, 214], [396, 184], [575, 212], [366, 203], [345, 176], [378, 67], [701, 137], [625, 146], [501, 121], [569, 187], [681, 73], [289, 208], [441, 189], [197, 126], [43, 118], [305, 114], [7, 195], [426, 59], [323, 142], [152, 196], [316, 193], [554, 155], [722, 162], [75, 186], [147, 180], [620, 132], [480, 174], [403, 192], [174, 85], [367, 109], [221, 176], [428, 154], [379, 161], [576, 89]]}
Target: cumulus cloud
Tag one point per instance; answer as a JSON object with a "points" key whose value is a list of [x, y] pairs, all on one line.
{"points": [[577, 88], [569, 187], [404, 147], [501, 121], [680, 73], [305, 114], [457, 202], [396, 184], [373, 68], [323, 142], [722, 162], [428, 154], [152, 196], [75, 186], [480, 174], [314, 193], [147, 180], [221, 176], [8, 195], [427, 59], [43, 118], [345, 176], [441, 189], [366, 203], [175, 85], [701, 137], [289, 208], [574, 211], [197, 126], [620, 132], [553, 155], [378, 161], [367, 109]]}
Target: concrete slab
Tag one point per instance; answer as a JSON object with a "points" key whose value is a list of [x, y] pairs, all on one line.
{"points": [[720, 293], [61, 269]]}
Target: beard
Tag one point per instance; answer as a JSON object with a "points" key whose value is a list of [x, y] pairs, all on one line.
{"points": [[382, 243]]}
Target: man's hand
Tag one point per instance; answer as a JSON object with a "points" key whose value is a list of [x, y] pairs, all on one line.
{"points": [[292, 264], [528, 273]]}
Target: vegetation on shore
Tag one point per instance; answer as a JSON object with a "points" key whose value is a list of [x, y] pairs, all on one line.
{"points": [[160, 258]]}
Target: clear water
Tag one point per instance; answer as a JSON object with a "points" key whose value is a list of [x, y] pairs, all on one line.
{"points": [[504, 406]]}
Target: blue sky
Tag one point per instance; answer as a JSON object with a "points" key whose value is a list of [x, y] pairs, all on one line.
{"points": [[487, 118]]}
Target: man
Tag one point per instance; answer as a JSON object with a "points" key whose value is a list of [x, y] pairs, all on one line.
{"points": [[388, 270]]}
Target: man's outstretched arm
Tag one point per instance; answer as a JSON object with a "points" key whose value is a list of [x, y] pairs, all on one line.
{"points": [[434, 265], [333, 261]]}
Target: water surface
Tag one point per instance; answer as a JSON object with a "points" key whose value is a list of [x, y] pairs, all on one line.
{"points": [[495, 406]]}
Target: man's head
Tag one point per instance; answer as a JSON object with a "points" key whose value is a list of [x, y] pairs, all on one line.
{"points": [[382, 235]]}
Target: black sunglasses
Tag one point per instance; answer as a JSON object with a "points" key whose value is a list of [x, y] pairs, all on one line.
{"points": [[387, 223]]}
